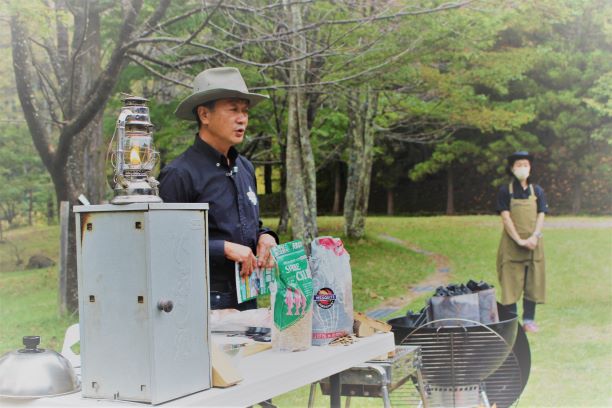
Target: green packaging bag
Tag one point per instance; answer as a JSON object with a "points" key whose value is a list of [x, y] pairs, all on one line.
{"points": [[291, 298]]}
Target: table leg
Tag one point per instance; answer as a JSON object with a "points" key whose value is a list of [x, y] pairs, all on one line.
{"points": [[313, 392], [385, 396], [421, 385], [334, 395]]}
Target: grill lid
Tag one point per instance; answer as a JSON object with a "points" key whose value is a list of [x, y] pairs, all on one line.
{"points": [[32, 372]]}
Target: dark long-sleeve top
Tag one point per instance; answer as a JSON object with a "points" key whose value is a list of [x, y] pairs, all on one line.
{"points": [[201, 174]]}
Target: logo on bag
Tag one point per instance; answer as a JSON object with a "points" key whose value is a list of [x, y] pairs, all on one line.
{"points": [[325, 298]]}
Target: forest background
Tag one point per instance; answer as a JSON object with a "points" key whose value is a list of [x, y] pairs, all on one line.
{"points": [[387, 107]]}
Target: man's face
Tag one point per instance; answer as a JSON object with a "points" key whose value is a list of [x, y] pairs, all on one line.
{"points": [[227, 122]]}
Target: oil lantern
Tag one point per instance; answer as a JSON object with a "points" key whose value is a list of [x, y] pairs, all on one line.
{"points": [[133, 154]]}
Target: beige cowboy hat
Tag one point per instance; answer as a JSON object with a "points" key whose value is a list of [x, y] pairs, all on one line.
{"points": [[213, 84]]}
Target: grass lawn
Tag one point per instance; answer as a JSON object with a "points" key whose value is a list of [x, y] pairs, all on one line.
{"points": [[28, 299], [571, 356], [27, 241]]}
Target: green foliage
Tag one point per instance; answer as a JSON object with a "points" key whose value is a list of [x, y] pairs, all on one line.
{"points": [[172, 135], [22, 175], [461, 92], [571, 87], [445, 154], [393, 162], [543, 85], [494, 156], [482, 80], [329, 133]]}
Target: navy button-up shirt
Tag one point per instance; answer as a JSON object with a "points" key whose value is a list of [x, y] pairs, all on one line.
{"points": [[201, 174]]}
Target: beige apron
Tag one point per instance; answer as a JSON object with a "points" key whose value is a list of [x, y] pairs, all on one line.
{"points": [[512, 258]]}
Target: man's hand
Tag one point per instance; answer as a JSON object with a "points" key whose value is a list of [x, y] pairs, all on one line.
{"points": [[264, 258], [242, 254]]}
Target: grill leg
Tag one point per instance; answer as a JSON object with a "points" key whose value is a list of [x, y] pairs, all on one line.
{"points": [[483, 399], [311, 396], [384, 383], [347, 402]]}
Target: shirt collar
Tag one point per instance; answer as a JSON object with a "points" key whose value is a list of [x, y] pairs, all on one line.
{"points": [[518, 184], [202, 147]]}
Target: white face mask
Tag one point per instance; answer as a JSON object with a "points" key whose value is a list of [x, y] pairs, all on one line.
{"points": [[521, 173]]}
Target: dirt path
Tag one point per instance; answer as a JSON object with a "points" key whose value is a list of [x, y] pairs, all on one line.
{"points": [[553, 222], [439, 277]]}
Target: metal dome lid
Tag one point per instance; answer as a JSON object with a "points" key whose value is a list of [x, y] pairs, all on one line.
{"points": [[33, 373]]}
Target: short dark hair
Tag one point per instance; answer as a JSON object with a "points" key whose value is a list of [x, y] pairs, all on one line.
{"points": [[210, 105]]}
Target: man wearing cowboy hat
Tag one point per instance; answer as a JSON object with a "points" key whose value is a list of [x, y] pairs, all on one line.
{"points": [[212, 171]]}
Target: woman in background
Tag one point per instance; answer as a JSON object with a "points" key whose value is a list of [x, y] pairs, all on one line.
{"points": [[520, 259]]}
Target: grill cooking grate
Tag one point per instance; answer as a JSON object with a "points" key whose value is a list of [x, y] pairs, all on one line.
{"points": [[463, 367]]}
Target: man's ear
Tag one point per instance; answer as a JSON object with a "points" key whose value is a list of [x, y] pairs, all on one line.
{"points": [[203, 114]]}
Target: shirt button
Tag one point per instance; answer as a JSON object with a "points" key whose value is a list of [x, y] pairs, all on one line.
{"points": [[218, 164]]}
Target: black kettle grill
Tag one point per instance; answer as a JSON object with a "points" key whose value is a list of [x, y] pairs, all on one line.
{"points": [[466, 363]]}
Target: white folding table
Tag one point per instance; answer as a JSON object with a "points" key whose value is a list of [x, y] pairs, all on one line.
{"points": [[266, 375]]}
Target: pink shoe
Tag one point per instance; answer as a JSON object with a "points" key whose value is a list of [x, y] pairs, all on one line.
{"points": [[531, 327]]}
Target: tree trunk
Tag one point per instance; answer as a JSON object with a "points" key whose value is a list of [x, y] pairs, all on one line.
{"points": [[267, 179], [577, 196], [450, 196], [301, 173], [85, 160], [30, 207], [283, 221], [66, 191], [95, 184], [10, 212], [362, 111], [337, 188], [89, 150], [390, 203], [268, 167], [63, 284], [50, 210]]}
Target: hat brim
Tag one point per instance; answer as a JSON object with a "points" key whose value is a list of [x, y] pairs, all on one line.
{"points": [[185, 109], [514, 157]]}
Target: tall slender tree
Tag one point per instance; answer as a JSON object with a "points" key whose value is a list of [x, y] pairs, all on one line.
{"points": [[362, 107], [67, 82], [301, 191]]}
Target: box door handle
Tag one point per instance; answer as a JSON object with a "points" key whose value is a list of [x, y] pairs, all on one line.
{"points": [[165, 305]]}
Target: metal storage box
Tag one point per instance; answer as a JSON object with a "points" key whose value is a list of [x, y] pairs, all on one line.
{"points": [[143, 300]]}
